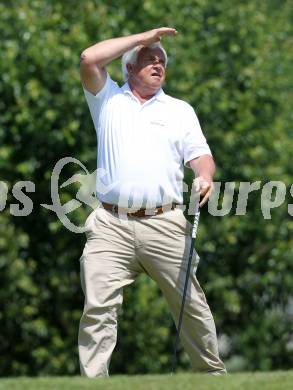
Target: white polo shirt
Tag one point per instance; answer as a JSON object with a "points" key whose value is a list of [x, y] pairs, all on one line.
{"points": [[142, 147]]}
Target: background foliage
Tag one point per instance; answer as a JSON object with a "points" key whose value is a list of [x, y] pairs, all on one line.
{"points": [[231, 60]]}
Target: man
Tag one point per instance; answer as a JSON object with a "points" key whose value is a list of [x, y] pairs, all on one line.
{"points": [[144, 136]]}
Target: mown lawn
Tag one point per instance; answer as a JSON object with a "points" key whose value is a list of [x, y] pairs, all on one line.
{"points": [[277, 380]]}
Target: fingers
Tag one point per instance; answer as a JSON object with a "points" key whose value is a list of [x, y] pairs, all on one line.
{"points": [[205, 198], [155, 35], [201, 185], [204, 187], [167, 31]]}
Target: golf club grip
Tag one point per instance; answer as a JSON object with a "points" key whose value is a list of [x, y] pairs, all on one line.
{"points": [[195, 224]]}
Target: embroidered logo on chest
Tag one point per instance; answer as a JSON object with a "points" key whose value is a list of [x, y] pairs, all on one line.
{"points": [[158, 122]]}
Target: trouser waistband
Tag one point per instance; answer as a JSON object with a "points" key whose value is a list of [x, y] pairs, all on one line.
{"points": [[139, 212]]}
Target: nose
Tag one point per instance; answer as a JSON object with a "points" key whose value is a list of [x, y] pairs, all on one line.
{"points": [[157, 60]]}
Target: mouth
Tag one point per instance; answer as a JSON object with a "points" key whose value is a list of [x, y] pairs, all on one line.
{"points": [[155, 74]]}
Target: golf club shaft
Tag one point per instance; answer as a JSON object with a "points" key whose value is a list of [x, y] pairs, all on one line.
{"points": [[193, 237]]}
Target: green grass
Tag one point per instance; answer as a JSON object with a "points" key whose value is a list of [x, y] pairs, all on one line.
{"points": [[277, 380]]}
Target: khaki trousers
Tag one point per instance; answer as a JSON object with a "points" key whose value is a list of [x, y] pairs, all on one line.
{"points": [[117, 250]]}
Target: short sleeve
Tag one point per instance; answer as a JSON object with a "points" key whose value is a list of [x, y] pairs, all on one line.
{"points": [[194, 142], [95, 102]]}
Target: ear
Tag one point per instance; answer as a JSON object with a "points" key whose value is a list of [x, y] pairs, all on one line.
{"points": [[129, 67]]}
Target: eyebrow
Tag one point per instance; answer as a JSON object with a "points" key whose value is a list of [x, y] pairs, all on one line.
{"points": [[151, 56]]}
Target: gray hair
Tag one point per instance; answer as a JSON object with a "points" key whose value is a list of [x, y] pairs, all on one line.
{"points": [[130, 57]]}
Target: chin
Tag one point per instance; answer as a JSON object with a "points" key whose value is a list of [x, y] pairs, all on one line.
{"points": [[157, 83]]}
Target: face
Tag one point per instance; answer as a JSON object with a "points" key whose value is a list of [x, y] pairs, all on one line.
{"points": [[149, 70]]}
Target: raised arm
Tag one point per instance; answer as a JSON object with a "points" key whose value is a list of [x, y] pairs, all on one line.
{"points": [[95, 58]]}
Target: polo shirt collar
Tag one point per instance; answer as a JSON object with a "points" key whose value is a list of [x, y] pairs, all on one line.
{"points": [[160, 95]]}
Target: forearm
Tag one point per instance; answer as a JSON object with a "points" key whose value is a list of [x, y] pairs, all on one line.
{"points": [[102, 53], [203, 166]]}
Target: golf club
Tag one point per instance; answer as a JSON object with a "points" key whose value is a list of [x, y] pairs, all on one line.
{"points": [[193, 236]]}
